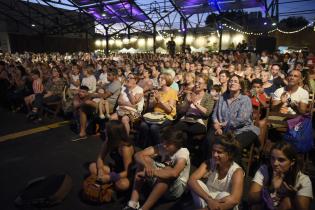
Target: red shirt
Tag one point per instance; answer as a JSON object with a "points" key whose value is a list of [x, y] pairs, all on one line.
{"points": [[262, 97]]}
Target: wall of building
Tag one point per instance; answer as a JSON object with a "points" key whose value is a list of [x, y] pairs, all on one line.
{"points": [[39, 43]]}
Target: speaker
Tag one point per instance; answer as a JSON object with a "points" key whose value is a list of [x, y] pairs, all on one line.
{"points": [[266, 43]]}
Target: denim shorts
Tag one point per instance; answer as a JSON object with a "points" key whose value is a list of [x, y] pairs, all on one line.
{"points": [[176, 189]]}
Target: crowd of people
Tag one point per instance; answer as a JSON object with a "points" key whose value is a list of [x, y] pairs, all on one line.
{"points": [[167, 101]]}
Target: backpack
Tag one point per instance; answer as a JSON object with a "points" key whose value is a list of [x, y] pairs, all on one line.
{"points": [[96, 192], [45, 191], [300, 133]]}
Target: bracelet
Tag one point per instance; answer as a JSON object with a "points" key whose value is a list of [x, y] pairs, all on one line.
{"points": [[114, 177]]}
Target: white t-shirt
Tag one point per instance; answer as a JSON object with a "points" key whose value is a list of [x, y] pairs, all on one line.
{"points": [[103, 79], [89, 82], [182, 153], [136, 90], [301, 95], [74, 78], [262, 178]]}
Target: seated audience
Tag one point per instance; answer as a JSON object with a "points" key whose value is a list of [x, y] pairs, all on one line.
{"points": [[269, 88], [89, 79], [130, 103], [165, 167], [291, 99], [163, 101], [233, 113], [280, 184], [225, 178], [89, 107], [52, 93], [145, 82], [196, 107]]}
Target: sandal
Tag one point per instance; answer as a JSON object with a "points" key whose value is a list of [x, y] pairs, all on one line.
{"points": [[79, 138]]}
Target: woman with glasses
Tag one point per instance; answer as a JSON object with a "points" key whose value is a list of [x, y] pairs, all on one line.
{"points": [[130, 102], [196, 107], [233, 113]]}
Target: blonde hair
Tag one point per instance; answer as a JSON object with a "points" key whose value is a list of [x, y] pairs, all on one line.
{"points": [[168, 78]]}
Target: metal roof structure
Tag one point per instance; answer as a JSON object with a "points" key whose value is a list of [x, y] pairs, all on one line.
{"points": [[112, 17], [109, 18]]}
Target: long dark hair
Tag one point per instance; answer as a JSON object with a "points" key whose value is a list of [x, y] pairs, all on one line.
{"points": [[117, 135], [289, 151]]}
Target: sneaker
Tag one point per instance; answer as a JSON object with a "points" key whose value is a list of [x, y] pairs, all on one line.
{"points": [[102, 116]]}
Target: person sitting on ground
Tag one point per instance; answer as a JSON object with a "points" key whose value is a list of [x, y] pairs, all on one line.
{"points": [[196, 107], [280, 184], [120, 148], [163, 101], [37, 86], [168, 176], [130, 102], [233, 112], [224, 187]]}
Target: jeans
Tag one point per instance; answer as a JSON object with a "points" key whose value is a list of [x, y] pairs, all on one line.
{"points": [[150, 134]]}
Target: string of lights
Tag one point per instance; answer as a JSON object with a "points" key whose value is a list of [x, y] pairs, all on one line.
{"points": [[241, 31], [271, 31], [291, 32]]}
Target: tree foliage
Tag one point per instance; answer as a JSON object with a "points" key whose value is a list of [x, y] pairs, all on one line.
{"points": [[292, 23]]}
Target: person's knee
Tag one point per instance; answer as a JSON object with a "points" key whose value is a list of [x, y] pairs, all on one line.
{"points": [[285, 204], [122, 184], [144, 126], [92, 168], [155, 128], [125, 120]]}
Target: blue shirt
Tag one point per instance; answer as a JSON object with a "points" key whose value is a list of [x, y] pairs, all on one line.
{"points": [[237, 115]]}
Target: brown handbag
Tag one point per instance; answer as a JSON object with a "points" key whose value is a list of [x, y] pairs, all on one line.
{"points": [[95, 191]]}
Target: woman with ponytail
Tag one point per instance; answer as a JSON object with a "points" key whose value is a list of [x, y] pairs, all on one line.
{"points": [[224, 186]]}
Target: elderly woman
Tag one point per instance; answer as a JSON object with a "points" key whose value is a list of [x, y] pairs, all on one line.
{"points": [[224, 187], [130, 102], [233, 113], [280, 184], [163, 101], [197, 107]]}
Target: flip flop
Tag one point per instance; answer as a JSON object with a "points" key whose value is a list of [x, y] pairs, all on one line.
{"points": [[79, 138]]}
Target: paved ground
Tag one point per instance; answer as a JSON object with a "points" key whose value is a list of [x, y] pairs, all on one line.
{"points": [[46, 151]]}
